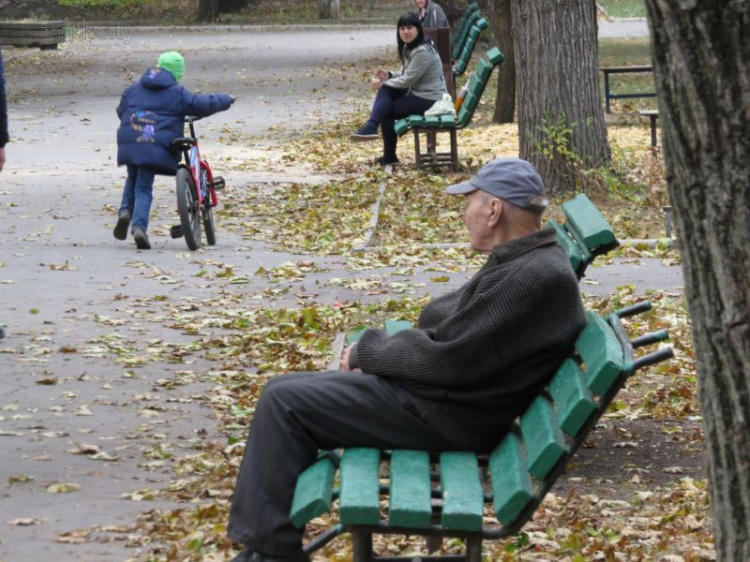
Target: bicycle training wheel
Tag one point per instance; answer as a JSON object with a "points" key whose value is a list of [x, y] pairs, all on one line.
{"points": [[187, 205], [208, 216]]}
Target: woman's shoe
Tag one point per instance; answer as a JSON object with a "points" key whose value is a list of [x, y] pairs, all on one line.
{"points": [[365, 133], [387, 160]]}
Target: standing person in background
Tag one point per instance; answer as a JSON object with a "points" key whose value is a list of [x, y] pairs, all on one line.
{"points": [[431, 14], [3, 115], [410, 92]]}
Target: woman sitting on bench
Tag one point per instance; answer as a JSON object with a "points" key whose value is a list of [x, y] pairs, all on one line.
{"points": [[409, 92]]}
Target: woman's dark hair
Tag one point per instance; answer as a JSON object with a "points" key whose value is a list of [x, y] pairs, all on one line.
{"points": [[409, 18]]}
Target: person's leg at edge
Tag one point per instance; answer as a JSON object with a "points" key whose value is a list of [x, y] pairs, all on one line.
{"points": [[402, 107], [381, 107], [144, 192], [297, 415]]}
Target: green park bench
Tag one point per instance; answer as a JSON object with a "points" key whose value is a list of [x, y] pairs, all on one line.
{"points": [[435, 124], [462, 62], [445, 495], [585, 234], [450, 494], [471, 15]]}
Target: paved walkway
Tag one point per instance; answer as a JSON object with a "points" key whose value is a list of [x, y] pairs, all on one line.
{"points": [[73, 296]]}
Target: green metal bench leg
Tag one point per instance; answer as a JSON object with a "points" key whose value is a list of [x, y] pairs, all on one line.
{"points": [[474, 549], [417, 153], [362, 543], [454, 150]]}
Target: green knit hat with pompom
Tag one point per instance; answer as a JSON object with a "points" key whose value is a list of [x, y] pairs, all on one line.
{"points": [[173, 62]]}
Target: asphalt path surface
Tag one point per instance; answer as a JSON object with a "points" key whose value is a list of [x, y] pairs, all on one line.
{"points": [[69, 288]]}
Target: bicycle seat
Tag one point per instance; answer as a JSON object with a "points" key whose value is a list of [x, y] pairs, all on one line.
{"points": [[183, 143]]}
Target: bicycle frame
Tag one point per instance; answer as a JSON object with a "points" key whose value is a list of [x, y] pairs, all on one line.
{"points": [[192, 161]]}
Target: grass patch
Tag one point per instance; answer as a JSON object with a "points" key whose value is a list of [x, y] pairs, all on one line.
{"points": [[624, 8]]}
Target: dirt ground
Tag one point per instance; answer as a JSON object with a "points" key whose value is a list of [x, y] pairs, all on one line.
{"points": [[80, 307]]}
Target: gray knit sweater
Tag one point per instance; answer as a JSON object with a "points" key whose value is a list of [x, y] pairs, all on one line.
{"points": [[481, 353], [422, 73]]}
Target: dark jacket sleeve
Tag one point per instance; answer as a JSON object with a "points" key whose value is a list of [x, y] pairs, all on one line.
{"points": [[4, 138], [203, 105]]}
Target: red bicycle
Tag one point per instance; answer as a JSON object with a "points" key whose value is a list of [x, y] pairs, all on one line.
{"points": [[196, 192]]}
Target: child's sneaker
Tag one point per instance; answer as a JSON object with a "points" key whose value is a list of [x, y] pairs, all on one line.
{"points": [[123, 222], [141, 239]]}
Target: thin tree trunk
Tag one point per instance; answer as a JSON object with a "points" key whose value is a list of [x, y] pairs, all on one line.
{"points": [[560, 115], [498, 12], [702, 68]]}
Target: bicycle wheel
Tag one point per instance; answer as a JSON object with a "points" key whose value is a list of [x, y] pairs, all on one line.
{"points": [[208, 217], [188, 208]]}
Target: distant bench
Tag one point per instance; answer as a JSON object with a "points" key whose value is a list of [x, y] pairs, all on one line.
{"points": [[608, 95]]}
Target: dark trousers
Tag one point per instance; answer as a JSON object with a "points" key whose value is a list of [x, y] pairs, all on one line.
{"points": [[297, 415], [391, 104]]}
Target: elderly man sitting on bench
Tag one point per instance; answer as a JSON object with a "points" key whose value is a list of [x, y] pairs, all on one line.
{"points": [[456, 382]]}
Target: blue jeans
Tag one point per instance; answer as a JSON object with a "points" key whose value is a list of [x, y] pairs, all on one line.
{"points": [[137, 196], [391, 104]]}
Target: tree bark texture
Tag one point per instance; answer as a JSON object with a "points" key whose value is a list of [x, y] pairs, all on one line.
{"points": [[498, 13], [702, 68], [560, 114]]}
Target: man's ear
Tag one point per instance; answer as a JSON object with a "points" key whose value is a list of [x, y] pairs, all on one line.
{"points": [[497, 208]]}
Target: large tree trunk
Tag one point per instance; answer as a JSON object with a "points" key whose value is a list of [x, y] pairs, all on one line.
{"points": [[560, 115], [498, 12], [702, 68]]}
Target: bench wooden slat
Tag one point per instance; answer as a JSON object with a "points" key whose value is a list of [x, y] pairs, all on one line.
{"points": [[588, 222], [462, 491], [359, 498], [471, 15], [410, 490], [395, 326], [511, 485], [313, 491], [573, 399], [601, 352], [575, 255], [544, 440]]}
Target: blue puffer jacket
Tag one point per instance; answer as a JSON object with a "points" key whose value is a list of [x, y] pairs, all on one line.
{"points": [[152, 114]]}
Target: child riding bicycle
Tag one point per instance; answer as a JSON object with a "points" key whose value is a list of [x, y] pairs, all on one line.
{"points": [[152, 113]]}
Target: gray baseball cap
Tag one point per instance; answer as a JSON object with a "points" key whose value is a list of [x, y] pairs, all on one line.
{"points": [[511, 179]]}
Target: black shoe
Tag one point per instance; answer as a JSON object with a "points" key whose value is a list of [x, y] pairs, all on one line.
{"points": [[365, 133], [123, 222], [386, 160], [141, 239]]}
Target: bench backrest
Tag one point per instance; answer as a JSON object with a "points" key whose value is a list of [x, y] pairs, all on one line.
{"points": [[462, 62], [477, 84], [471, 15], [585, 234]]}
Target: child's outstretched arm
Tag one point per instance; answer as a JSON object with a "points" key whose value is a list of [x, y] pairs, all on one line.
{"points": [[203, 105]]}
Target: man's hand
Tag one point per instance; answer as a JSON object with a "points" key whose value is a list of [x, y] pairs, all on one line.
{"points": [[2, 158], [344, 366]]}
